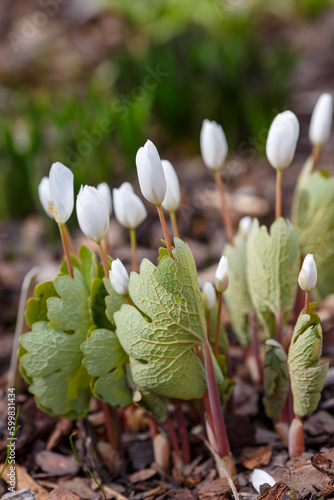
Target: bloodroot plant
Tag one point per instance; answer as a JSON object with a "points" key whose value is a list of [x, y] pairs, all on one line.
{"points": [[152, 339]]}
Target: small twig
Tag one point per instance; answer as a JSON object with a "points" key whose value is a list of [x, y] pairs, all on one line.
{"points": [[222, 471]]}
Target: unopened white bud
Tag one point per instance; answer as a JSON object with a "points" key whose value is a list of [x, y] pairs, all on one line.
{"points": [[213, 145], [245, 225], [173, 193], [151, 174], [282, 140], [129, 209], [209, 296], [61, 183], [104, 190], [307, 278], [321, 120], [93, 213], [119, 277], [222, 275], [45, 196]]}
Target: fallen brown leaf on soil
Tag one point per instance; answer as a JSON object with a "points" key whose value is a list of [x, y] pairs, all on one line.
{"points": [[253, 458], [219, 489], [62, 494], [56, 464], [276, 492], [63, 428], [142, 475], [24, 480], [324, 463]]}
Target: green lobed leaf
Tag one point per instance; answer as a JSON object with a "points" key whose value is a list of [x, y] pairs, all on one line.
{"points": [[105, 361], [273, 260], [313, 217], [237, 297], [97, 304], [276, 379], [113, 300], [52, 361], [86, 263], [153, 403], [36, 306], [306, 374], [164, 345]]}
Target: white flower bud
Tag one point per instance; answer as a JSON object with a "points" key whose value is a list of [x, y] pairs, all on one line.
{"points": [[45, 196], [213, 145], [222, 275], [129, 210], [119, 277], [93, 213], [307, 278], [245, 225], [260, 477], [61, 183], [282, 140], [209, 296], [104, 189], [321, 120], [173, 193], [151, 174]]}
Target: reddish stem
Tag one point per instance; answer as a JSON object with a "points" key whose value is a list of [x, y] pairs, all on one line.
{"points": [[69, 239], [315, 154], [152, 426], [255, 344], [173, 220], [307, 302], [173, 437], [219, 312], [165, 230], [278, 193], [184, 438], [104, 260], [112, 437], [224, 208], [133, 240], [66, 251], [215, 406]]}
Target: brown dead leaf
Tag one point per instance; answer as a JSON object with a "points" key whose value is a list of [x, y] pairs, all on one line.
{"points": [[324, 462], [56, 464], [63, 428], [219, 489], [61, 494], [253, 458], [80, 486], [142, 475], [276, 492], [303, 478], [24, 480]]}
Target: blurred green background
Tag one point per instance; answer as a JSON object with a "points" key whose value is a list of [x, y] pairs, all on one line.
{"points": [[86, 83]]}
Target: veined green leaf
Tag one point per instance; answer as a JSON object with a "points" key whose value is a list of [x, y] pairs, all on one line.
{"points": [[114, 301], [313, 216], [36, 306], [52, 360], [170, 297], [306, 374], [273, 260], [236, 297], [276, 379], [105, 361]]}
